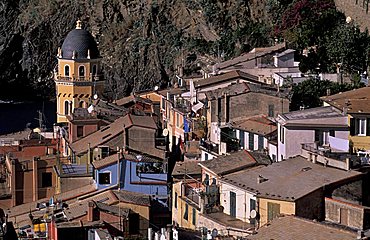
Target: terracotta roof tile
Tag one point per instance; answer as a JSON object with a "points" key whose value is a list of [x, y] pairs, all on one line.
{"points": [[233, 75], [356, 101], [290, 227], [260, 125], [133, 197]]}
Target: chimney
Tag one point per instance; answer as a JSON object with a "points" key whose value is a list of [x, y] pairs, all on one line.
{"points": [[348, 164], [90, 211], [261, 179]]}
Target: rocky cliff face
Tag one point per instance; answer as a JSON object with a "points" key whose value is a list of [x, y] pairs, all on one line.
{"points": [[141, 41]]}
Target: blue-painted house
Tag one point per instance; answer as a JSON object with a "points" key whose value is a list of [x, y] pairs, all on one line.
{"points": [[135, 172]]}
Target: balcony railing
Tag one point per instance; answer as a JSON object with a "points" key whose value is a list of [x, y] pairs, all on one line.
{"points": [[79, 79], [209, 146]]}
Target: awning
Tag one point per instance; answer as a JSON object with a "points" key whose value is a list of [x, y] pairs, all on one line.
{"points": [[197, 106]]}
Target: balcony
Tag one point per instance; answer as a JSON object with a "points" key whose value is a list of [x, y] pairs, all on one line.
{"points": [[95, 78], [209, 146], [329, 157]]}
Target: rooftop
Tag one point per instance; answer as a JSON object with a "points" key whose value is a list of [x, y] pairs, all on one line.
{"points": [[234, 75], [319, 116], [288, 180], [105, 161], [228, 221], [313, 113], [76, 170], [355, 101], [234, 162], [132, 197], [255, 53], [245, 87], [79, 44], [291, 228], [259, 124], [112, 130], [189, 167]]}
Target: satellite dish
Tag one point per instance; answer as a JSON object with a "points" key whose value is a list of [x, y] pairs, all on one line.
{"points": [[214, 233], [165, 132], [95, 96], [253, 214]]}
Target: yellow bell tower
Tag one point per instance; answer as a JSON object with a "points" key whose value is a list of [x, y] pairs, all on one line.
{"points": [[78, 77]]}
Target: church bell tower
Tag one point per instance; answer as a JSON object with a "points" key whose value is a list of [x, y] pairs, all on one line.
{"points": [[78, 77]]}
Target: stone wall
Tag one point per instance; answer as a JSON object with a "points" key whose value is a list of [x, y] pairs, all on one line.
{"points": [[347, 214]]}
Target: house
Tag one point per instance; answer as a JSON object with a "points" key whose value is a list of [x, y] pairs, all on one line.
{"points": [[295, 186], [186, 202], [354, 104], [27, 179], [175, 110], [135, 172], [254, 133], [272, 65], [291, 227], [81, 123], [122, 133], [236, 102], [321, 127], [214, 169]]}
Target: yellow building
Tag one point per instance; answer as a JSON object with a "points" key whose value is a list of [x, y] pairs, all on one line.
{"points": [[78, 77], [355, 104], [186, 200]]}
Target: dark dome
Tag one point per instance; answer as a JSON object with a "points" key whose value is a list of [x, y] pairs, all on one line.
{"points": [[79, 40]]}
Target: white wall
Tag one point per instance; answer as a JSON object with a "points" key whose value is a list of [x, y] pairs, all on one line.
{"points": [[242, 201], [203, 155]]}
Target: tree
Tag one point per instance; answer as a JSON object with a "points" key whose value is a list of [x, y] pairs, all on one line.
{"points": [[307, 93]]}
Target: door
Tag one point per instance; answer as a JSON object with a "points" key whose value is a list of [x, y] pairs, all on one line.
{"points": [[232, 204], [273, 210], [344, 217]]}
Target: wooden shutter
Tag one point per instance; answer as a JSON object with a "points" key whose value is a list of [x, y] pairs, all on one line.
{"points": [[352, 127]]}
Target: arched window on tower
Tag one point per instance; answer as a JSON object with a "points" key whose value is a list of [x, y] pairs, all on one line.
{"points": [[66, 70], [81, 104], [66, 107], [94, 70], [81, 71]]}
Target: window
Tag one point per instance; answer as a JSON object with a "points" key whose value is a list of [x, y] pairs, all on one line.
{"points": [[194, 216], [241, 138], [232, 204], [163, 104], [360, 126], [104, 178], [273, 210], [219, 109], [66, 70], [94, 71], [332, 133], [81, 104], [46, 180], [260, 142], [206, 180], [282, 134], [175, 200], [66, 108], [177, 120], [186, 211], [81, 71], [271, 110], [80, 131], [251, 141]]}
